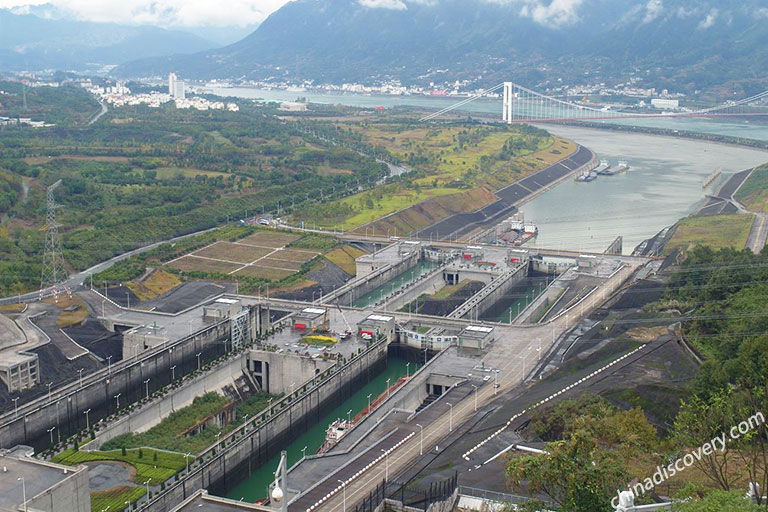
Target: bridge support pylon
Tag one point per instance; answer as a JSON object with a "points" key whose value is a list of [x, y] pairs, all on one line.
{"points": [[507, 103]]}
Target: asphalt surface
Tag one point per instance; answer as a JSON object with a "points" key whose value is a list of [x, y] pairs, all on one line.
{"points": [[510, 195]]}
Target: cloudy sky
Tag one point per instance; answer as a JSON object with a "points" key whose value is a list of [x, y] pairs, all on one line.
{"points": [[166, 13]]}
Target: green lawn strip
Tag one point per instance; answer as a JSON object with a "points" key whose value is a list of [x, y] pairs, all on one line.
{"points": [[716, 231], [168, 434], [114, 499], [753, 193], [157, 471]]}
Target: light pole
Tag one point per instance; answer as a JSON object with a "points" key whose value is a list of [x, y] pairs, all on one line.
{"points": [[450, 419], [386, 465], [349, 415], [407, 370], [117, 397], [198, 359], [50, 431], [23, 491], [304, 453], [49, 391], [15, 407], [495, 381], [80, 371], [344, 495], [87, 420], [388, 381], [475, 396], [186, 458], [173, 373], [146, 388], [421, 439], [369, 402], [109, 365]]}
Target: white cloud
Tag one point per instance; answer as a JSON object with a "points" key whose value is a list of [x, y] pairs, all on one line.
{"points": [[396, 5], [550, 13], [166, 13], [653, 9], [761, 12], [710, 19]]}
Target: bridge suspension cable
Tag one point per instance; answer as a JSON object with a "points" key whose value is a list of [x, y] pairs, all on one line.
{"points": [[521, 104], [461, 103]]}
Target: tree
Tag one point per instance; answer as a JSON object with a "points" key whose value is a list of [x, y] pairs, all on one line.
{"points": [[716, 501], [578, 474], [699, 421]]}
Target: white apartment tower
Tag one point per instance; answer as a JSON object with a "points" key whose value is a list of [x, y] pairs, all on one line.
{"points": [[171, 83]]}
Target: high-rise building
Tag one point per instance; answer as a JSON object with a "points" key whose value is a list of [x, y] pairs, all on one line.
{"points": [[178, 90], [171, 83]]}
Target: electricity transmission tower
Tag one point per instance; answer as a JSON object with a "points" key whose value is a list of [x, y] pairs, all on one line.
{"points": [[54, 272]]}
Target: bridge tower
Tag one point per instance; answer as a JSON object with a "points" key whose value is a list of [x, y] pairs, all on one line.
{"points": [[508, 102]]}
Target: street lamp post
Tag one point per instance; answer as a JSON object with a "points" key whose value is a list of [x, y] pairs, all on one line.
{"points": [[369, 402], [198, 359], [388, 381], [117, 397], [87, 420], [80, 371], [421, 439], [407, 370], [186, 458], [475, 387], [146, 388], [304, 453], [344, 495], [349, 416], [50, 431], [49, 391], [386, 465], [15, 407], [23, 491], [450, 419], [109, 365], [173, 373]]}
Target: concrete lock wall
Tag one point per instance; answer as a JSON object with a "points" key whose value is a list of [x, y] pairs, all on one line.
{"points": [[149, 415], [490, 294], [243, 451], [285, 371], [66, 405], [432, 284], [347, 294], [70, 494]]}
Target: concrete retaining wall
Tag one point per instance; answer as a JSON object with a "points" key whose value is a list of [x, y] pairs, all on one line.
{"points": [[243, 451], [348, 293], [65, 407]]}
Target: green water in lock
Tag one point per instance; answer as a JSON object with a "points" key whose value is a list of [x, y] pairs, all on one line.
{"points": [[255, 486]]}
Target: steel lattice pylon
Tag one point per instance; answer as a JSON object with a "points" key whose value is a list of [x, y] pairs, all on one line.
{"points": [[54, 272]]}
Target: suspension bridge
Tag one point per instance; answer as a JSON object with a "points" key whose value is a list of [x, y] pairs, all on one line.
{"points": [[523, 105]]}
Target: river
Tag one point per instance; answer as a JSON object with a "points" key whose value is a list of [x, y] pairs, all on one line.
{"points": [[751, 129], [664, 183]]}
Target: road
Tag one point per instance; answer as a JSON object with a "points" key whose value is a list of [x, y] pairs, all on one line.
{"points": [[76, 280], [101, 113], [758, 234]]}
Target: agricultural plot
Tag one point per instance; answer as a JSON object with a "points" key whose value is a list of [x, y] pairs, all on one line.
{"points": [[262, 255], [232, 252], [273, 239]]}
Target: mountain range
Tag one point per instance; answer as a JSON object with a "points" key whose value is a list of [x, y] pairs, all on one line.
{"points": [[31, 42], [675, 43]]}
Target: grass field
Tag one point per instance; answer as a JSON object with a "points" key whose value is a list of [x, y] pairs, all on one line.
{"points": [[270, 239], [459, 162], [344, 257], [716, 231], [193, 264], [234, 252], [753, 194], [12, 308], [147, 468], [156, 284], [114, 499], [74, 311]]}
